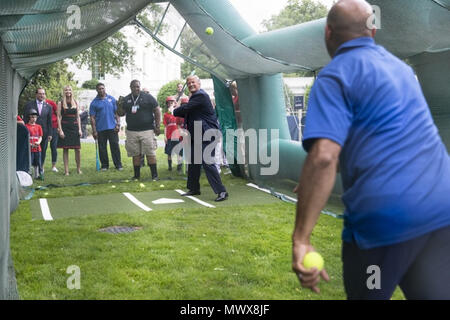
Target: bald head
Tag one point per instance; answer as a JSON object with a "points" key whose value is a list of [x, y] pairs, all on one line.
{"points": [[347, 20]]}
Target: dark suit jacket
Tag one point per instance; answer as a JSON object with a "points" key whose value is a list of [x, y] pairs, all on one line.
{"points": [[44, 119], [199, 108]]}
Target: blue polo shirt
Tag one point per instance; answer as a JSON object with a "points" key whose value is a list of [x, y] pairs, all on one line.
{"points": [[104, 111], [395, 168]]}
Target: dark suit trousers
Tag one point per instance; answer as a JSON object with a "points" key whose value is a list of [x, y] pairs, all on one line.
{"points": [[54, 144], [44, 145], [194, 171], [113, 138]]}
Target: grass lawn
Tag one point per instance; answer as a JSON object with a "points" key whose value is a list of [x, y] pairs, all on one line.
{"points": [[239, 250]]}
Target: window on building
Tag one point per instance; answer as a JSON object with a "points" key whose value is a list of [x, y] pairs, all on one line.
{"points": [[98, 71]]}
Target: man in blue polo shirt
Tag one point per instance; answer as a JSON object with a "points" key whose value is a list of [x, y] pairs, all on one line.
{"points": [[367, 115], [105, 127]]}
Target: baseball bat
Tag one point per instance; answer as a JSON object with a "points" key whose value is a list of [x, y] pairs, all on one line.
{"points": [[184, 86], [96, 156]]}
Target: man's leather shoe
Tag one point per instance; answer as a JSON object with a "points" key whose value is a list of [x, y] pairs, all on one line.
{"points": [[222, 196], [191, 193]]}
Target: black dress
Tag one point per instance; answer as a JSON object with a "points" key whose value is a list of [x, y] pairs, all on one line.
{"points": [[69, 125]]}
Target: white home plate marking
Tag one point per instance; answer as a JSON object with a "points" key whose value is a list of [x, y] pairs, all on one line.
{"points": [[136, 202], [203, 203], [45, 210], [166, 201]]}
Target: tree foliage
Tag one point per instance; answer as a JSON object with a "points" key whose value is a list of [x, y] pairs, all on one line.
{"points": [[150, 17], [53, 79], [90, 84], [169, 89], [296, 12], [113, 54]]}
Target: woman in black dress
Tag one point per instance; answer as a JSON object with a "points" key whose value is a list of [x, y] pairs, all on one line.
{"points": [[69, 128]]}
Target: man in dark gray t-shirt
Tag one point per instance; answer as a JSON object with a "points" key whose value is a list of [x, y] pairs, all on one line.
{"points": [[143, 117]]}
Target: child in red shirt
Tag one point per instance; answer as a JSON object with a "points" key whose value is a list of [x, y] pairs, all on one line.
{"points": [[172, 134], [35, 143]]}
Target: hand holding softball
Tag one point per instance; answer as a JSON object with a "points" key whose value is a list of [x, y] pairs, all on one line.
{"points": [[309, 275]]}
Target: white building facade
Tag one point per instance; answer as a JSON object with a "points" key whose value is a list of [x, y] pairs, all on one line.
{"points": [[153, 65]]}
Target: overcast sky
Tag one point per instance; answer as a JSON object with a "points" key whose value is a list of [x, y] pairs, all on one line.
{"points": [[255, 11]]}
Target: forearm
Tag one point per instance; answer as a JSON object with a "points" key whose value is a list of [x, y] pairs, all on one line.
{"points": [[157, 116], [178, 111], [315, 186], [59, 123], [93, 124], [58, 117]]}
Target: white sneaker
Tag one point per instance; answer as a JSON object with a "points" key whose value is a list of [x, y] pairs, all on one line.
{"points": [[54, 169]]}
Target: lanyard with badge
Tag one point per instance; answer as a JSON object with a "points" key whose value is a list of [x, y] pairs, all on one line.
{"points": [[135, 106]]}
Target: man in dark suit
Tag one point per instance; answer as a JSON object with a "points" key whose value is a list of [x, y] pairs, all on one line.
{"points": [[44, 120], [199, 109]]}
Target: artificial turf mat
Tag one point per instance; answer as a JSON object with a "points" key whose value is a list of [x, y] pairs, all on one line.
{"points": [[117, 202]]}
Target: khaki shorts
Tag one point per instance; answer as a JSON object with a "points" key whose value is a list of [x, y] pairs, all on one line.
{"points": [[141, 142]]}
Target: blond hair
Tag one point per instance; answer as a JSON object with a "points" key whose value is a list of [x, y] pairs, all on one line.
{"points": [[64, 98]]}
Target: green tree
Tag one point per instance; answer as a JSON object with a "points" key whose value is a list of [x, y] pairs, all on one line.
{"points": [[150, 17], [296, 12], [110, 56], [53, 79], [169, 89], [90, 84], [113, 55]]}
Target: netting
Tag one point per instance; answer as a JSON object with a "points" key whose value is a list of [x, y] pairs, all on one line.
{"points": [[36, 33], [10, 86]]}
